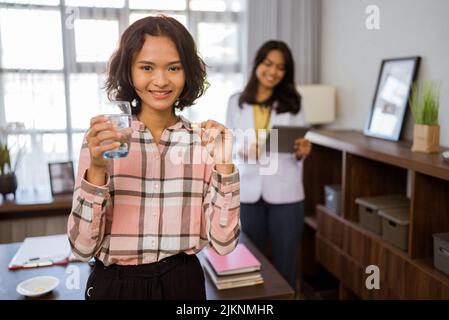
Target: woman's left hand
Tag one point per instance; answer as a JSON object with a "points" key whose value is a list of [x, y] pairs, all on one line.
{"points": [[218, 141], [303, 147]]}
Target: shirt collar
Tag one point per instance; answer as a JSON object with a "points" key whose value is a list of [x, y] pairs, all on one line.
{"points": [[182, 123]]}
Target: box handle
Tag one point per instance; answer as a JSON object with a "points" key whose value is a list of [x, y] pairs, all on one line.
{"points": [[444, 251]]}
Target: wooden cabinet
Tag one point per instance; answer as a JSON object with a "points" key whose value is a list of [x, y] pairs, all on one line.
{"points": [[32, 216], [368, 167]]}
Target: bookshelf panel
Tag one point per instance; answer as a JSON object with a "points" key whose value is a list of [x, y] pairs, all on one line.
{"points": [[330, 227], [352, 275], [373, 167]]}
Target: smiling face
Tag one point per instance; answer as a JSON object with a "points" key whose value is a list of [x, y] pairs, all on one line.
{"points": [[272, 69], [157, 73]]}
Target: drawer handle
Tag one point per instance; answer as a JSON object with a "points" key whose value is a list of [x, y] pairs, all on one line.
{"points": [[369, 210], [444, 251]]}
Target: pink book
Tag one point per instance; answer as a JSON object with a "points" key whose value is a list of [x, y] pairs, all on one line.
{"points": [[240, 260]]}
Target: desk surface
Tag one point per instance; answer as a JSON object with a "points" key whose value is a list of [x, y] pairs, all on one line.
{"points": [[33, 202], [274, 287]]}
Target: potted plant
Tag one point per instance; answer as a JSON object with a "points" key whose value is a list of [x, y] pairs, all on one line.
{"points": [[425, 102], [8, 179]]}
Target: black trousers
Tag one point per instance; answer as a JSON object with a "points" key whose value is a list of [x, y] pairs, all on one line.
{"points": [[179, 277]]}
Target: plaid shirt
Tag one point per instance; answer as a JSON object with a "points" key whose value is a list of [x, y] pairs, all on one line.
{"points": [[162, 199]]}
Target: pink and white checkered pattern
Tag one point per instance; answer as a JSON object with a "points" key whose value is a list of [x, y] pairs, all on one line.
{"points": [[154, 205]]}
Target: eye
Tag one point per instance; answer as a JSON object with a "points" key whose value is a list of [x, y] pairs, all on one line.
{"points": [[174, 68], [146, 68], [267, 63], [281, 68]]}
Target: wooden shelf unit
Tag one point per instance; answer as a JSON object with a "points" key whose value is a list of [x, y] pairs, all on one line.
{"points": [[367, 166]]}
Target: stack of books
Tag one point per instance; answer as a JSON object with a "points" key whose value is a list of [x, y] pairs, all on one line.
{"points": [[240, 268]]}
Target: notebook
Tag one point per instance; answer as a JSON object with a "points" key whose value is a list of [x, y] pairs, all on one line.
{"points": [[41, 252], [240, 260], [233, 280], [286, 138]]}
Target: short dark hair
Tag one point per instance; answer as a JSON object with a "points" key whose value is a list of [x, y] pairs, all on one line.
{"points": [[285, 92], [119, 84]]}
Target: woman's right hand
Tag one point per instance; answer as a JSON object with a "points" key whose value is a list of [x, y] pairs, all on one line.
{"points": [[101, 130]]}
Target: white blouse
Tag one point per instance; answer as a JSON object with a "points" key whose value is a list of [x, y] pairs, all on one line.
{"points": [[277, 179]]}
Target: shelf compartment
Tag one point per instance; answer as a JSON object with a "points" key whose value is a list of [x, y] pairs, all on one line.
{"points": [[322, 167], [430, 213], [359, 243], [364, 177]]}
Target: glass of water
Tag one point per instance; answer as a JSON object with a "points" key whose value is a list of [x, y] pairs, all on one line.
{"points": [[119, 114]]}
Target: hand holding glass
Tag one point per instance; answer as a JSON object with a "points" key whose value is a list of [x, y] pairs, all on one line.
{"points": [[119, 114]]}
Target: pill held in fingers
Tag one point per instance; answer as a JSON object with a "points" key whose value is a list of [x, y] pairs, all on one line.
{"points": [[195, 126]]}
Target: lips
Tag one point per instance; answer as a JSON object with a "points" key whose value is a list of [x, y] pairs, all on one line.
{"points": [[270, 79], [160, 94]]}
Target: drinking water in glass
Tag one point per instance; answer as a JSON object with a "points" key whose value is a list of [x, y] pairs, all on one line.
{"points": [[119, 114]]}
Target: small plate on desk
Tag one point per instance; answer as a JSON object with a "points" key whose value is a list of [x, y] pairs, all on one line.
{"points": [[445, 156], [37, 286]]}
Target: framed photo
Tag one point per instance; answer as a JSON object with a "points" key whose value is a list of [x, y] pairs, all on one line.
{"points": [[391, 97], [62, 180]]}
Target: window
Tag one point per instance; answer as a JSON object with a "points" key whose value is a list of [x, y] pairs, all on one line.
{"points": [[218, 42], [216, 5], [35, 99], [42, 34], [38, 2], [158, 5], [54, 57], [133, 17], [95, 39], [96, 3]]}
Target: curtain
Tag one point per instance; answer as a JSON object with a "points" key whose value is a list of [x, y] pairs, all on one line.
{"points": [[297, 22]]}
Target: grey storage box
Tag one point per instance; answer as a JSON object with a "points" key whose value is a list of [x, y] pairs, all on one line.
{"points": [[369, 208], [441, 252], [395, 224], [332, 195]]}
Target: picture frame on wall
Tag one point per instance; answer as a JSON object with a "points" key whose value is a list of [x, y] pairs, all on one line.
{"points": [[62, 178], [391, 97]]}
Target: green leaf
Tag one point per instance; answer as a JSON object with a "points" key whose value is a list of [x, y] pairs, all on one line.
{"points": [[425, 102]]}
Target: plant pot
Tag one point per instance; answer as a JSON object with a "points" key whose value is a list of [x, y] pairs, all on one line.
{"points": [[426, 138], [8, 184]]}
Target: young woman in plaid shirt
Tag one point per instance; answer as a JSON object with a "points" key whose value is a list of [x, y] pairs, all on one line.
{"points": [[143, 217]]}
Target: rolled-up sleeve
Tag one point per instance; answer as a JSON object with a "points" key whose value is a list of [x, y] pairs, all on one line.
{"points": [[86, 223], [222, 211]]}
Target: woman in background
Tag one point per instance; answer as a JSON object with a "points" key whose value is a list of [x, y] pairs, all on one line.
{"points": [[272, 204]]}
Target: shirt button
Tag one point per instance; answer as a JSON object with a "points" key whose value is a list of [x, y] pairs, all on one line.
{"points": [[156, 186]]}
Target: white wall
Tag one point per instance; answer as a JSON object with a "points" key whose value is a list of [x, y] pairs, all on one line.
{"points": [[351, 54]]}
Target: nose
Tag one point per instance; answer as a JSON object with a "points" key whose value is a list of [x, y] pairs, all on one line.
{"points": [[160, 79], [272, 71]]}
